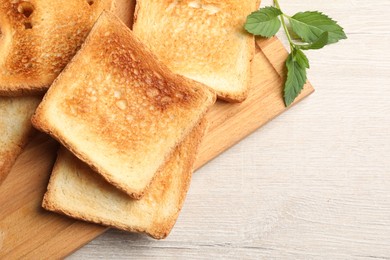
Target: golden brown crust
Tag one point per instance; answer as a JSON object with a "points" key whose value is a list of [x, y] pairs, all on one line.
{"points": [[142, 103], [201, 39], [124, 9], [170, 187], [162, 230], [38, 38]]}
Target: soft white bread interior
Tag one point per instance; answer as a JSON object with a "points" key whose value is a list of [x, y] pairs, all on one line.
{"points": [[15, 129], [75, 190], [39, 37], [126, 112], [201, 39]]}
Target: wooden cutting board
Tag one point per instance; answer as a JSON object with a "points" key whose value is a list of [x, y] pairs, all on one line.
{"points": [[27, 231]]}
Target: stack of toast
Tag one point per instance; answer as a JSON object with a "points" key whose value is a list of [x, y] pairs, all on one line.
{"points": [[37, 39], [128, 107]]}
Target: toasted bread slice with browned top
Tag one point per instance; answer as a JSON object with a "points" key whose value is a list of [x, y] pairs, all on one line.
{"points": [[38, 38], [119, 109], [15, 129], [75, 190], [30, 58], [201, 39]]}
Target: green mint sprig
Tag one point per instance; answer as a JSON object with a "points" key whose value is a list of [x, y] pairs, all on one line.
{"points": [[310, 30]]}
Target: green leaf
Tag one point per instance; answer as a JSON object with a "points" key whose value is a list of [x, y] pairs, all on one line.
{"points": [[301, 58], [293, 35], [309, 26], [296, 64], [320, 43], [264, 22]]}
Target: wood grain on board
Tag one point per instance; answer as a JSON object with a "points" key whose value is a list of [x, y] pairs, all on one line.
{"points": [[28, 231]]}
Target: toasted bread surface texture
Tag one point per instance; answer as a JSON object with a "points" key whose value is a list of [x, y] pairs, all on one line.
{"points": [[38, 38], [201, 39], [120, 110], [15, 129], [77, 191], [124, 9]]}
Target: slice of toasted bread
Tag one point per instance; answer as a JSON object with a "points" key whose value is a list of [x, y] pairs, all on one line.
{"points": [[15, 129], [75, 190], [201, 39], [30, 58], [120, 110], [38, 38]]}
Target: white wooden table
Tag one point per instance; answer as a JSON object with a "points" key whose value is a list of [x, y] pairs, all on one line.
{"points": [[312, 184]]}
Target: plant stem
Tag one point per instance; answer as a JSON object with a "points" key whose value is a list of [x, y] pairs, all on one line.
{"points": [[276, 2]]}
